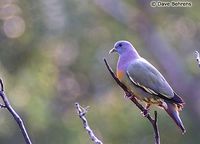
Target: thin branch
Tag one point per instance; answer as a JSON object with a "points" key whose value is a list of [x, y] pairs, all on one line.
{"points": [[82, 112], [155, 126], [132, 97], [197, 57], [14, 114]]}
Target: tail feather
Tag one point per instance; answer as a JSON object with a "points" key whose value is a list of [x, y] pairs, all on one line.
{"points": [[177, 99], [172, 110]]}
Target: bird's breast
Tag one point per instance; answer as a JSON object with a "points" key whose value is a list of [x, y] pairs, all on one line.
{"points": [[120, 74]]}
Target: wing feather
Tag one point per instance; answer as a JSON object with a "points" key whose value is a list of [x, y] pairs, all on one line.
{"points": [[145, 75]]}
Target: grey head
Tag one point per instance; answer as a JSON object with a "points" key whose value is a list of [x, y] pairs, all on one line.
{"points": [[123, 47]]}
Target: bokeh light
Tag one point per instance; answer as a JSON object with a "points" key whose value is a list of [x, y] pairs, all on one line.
{"points": [[8, 11], [5, 2], [14, 27], [13, 24]]}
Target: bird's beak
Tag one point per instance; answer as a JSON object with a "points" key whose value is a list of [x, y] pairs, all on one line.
{"points": [[112, 50]]}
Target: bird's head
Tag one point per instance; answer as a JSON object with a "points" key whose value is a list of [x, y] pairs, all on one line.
{"points": [[122, 47]]}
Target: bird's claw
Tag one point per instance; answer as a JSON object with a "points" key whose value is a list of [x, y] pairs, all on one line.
{"points": [[145, 112], [127, 95]]}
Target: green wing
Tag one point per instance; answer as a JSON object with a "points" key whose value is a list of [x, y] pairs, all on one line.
{"points": [[146, 76]]}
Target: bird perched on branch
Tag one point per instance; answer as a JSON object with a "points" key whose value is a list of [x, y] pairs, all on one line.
{"points": [[146, 82]]}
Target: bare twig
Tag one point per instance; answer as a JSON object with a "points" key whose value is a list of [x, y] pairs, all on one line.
{"points": [[132, 97], [82, 112], [14, 114], [197, 57]]}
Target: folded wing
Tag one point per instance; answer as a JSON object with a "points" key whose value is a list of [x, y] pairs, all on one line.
{"points": [[146, 76]]}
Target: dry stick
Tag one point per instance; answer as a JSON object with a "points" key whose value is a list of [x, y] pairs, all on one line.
{"points": [[82, 112], [197, 57], [132, 97], [14, 114]]}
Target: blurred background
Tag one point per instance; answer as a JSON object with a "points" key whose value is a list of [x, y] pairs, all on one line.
{"points": [[51, 56]]}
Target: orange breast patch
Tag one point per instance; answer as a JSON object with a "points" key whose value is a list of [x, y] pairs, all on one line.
{"points": [[120, 74]]}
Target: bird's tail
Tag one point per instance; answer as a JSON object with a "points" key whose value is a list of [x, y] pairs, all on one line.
{"points": [[172, 110]]}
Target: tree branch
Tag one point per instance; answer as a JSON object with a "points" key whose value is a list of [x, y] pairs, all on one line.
{"points": [[82, 112], [132, 97], [14, 114], [197, 57]]}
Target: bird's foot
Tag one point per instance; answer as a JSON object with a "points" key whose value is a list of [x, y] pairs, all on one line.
{"points": [[127, 95], [145, 112]]}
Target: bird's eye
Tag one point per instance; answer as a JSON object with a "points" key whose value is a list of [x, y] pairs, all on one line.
{"points": [[120, 45]]}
